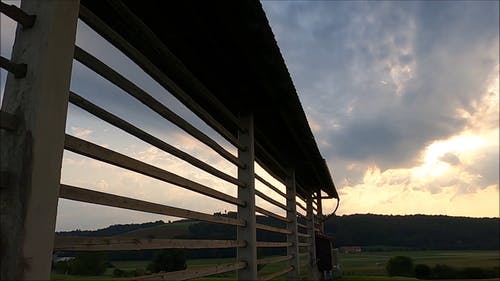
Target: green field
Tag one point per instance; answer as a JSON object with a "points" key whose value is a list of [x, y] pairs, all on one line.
{"points": [[368, 266], [373, 263]]}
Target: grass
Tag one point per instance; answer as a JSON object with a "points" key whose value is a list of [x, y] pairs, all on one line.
{"points": [[373, 263], [367, 266]]}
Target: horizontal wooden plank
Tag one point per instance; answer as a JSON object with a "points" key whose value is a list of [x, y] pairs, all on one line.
{"points": [[304, 244], [303, 235], [271, 214], [106, 199], [303, 216], [268, 184], [68, 243], [143, 62], [273, 244], [276, 274], [301, 206], [193, 272], [109, 156], [270, 200], [274, 259], [283, 171], [131, 129], [302, 225], [272, 228], [148, 100]]}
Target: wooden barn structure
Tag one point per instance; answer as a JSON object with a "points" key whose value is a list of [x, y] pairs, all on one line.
{"points": [[220, 59]]}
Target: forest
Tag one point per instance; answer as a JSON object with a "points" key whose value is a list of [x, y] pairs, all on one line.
{"points": [[370, 232]]}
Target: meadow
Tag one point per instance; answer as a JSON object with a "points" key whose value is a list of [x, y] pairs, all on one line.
{"points": [[356, 267]]}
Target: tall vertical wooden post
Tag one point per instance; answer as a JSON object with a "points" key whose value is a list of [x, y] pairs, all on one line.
{"points": [[247, 233], [311, 266], [291, 215], [32, 154], [320, 213]]}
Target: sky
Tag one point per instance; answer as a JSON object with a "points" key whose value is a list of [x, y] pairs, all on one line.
{"points": [[402, 97]]}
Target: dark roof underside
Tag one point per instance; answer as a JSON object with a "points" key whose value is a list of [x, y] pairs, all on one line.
{"points": [[230, 48]]}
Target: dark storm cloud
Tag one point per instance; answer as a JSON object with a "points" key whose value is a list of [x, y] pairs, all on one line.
{"points": [[349, 59]]}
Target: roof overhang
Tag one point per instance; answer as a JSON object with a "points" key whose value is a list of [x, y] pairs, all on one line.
{"points": [[230, 48]]}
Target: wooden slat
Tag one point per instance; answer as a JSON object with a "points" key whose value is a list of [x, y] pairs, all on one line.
{"points": [[274, 259], [123, 45], [276, 274], [304, 254], [304, 244], [303, 217], [272, 244], [17, 14], [193, 272], [303, 235], [8, 121], [145, 98], [271, 214], [274, 162], [270, 200], [67, 243], [301, 206], [109, 156], [129, 128], [106, 199], [302, 225], [272, 228], [268, 184]]}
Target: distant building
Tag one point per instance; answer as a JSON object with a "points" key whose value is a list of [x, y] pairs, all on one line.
{"points": [[350, 249]]}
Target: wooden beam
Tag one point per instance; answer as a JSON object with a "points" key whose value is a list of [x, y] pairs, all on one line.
{"points": [[142, 135], [17, 14], [111, 200], [273, 244], [109, 156], [143, 62], [270, 214], [292, 237], [149, 101], [68, 243], [312, 269], [248, 232], [276, 274], [268, 184], [273, 259], [193, 272], [33, 154], [272, 228], [270, 200]]}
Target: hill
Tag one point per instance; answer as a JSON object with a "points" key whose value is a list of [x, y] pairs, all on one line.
{"points": [[372, 232]]}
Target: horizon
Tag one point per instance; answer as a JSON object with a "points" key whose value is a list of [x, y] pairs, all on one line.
{"points": [[344, 215], [402, 98]]}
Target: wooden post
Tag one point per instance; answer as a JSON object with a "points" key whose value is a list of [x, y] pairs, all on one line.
{"points": [[320, 213], [291, 215], [311, 265], [32, 154], [246, 175]]}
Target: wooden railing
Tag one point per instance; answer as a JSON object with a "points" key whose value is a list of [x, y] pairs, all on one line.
{"points": [[298, 236]]}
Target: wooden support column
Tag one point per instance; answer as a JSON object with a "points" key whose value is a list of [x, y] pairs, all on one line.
{"points": [[32, 154], [246, 175], [320, 213], [293, 238], [312, 269]]}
